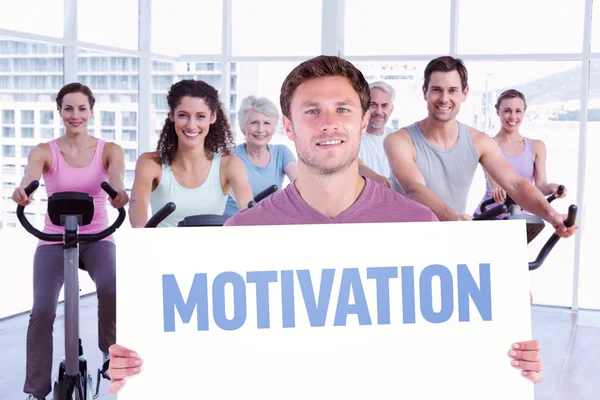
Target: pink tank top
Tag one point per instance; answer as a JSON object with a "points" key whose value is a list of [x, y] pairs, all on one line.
{"points": [[523, 163], [63, 178]]}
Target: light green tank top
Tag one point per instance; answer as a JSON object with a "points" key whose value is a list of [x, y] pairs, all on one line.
{"points": [[208, 198]]}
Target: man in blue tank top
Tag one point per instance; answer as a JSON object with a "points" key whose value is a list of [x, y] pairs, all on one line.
{"points": [[433, 161]]}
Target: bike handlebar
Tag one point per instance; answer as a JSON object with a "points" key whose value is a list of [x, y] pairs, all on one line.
{"points": [[569, 222], [262, 195], [163, 213], [168, 208], [31, 187], [492, 213], [108, 189], [559, 191], [48, 237], [509, 202]]}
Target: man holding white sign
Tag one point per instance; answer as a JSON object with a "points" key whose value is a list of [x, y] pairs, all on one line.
{"points": [[325, 104]]}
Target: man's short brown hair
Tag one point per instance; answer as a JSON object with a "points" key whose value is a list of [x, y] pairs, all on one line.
{"points": [[446, 64], [323, 66]]}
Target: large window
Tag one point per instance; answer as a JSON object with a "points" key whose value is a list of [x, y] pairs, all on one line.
{"points": [[43, 17], [516, 26], [93, 17], [396, 27], [187, 27], [33, 75], [596, 27], [589, 295], [244, 47], [258, 32]]}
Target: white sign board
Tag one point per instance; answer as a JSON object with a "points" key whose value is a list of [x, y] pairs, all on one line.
{"points": [[347, 311]]}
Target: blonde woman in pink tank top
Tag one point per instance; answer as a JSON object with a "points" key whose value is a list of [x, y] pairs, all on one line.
{"points": [[526, 156], [75, 162]]}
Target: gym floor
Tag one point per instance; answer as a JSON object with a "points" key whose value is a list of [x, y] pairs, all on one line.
{"points": [[570, 352]]}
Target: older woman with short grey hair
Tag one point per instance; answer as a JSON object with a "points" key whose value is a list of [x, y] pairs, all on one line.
{"points": [[266, 164]]}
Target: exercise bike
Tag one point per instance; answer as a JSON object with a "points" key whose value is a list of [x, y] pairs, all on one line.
{"points": [[534, 224], [204, 219], [71, 210]]}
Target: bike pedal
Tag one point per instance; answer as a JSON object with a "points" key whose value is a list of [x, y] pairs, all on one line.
{"points": [[102, 373], [104, 370]]}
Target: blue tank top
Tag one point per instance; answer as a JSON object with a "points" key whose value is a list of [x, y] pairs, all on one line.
{"points": [[208, 198], [261, 178]]}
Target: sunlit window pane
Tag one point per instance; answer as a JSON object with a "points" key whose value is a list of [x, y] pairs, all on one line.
{"points": [[396, 27], [109, 22], [32, 75], [596, 27], [42, 17], [271, 28], [516, 26], [589, 295], [187, 27]]}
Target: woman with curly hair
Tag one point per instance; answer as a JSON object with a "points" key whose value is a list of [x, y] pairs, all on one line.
{"points": [[193, 165]]}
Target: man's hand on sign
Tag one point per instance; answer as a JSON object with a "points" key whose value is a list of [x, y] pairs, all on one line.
{"points": [[526, 356], [123, 363]]}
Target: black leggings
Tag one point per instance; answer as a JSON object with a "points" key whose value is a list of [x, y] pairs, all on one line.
{"points": [[99, 259]]}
